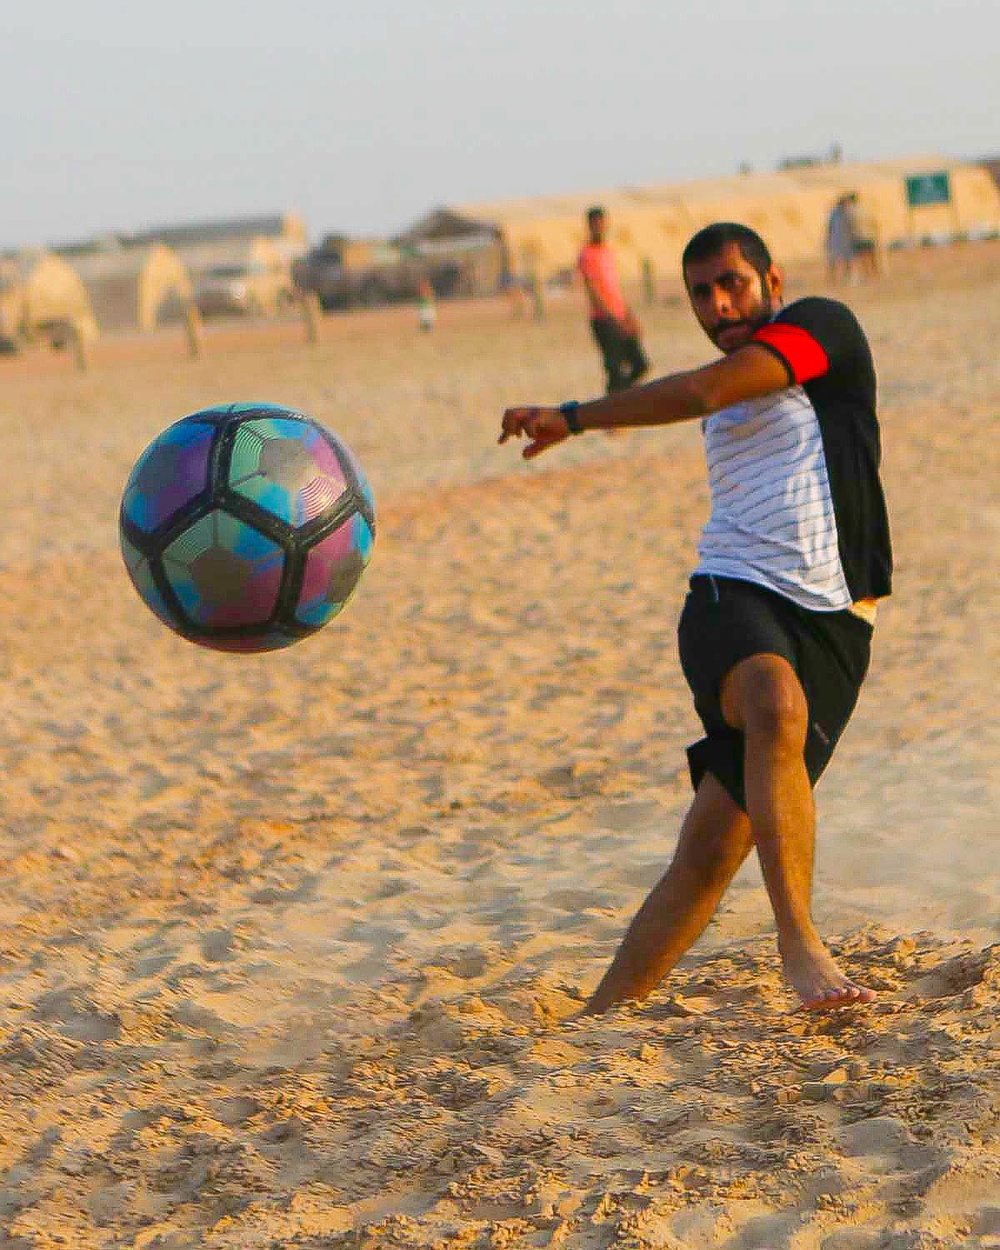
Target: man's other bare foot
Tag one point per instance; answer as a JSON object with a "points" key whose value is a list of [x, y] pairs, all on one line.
{"points": [[819, 982]]}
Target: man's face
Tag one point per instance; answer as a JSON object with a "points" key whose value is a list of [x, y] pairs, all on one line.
{"points": [[596, 225], [729, 297]]}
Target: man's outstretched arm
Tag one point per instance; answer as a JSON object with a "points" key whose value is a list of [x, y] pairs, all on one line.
{"points": [[748, 373]]}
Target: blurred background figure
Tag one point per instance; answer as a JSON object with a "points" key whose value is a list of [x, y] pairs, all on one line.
{"points": [[840, 240], [615, 326], [513, 288], [426, 305], [864, 234]]}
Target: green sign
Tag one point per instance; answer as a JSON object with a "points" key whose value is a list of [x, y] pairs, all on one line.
{"points": [[923, 189]]}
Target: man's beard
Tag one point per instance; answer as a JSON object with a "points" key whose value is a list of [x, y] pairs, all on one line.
{"points": [[752, 323]]}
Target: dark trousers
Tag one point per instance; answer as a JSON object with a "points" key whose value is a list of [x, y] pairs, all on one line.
{"points": [[624, 360]]}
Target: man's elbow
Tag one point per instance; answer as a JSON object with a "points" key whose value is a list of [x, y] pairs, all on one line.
{"points": [[747, 374]]}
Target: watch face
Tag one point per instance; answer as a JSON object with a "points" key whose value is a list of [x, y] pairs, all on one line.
{"points": [[569, 410]]}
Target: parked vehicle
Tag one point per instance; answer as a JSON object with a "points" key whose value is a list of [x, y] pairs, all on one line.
{"points": [[361, 273], [252, 289]]}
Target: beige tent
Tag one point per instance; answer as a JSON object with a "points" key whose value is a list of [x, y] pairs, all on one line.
{"points": [[780, 209], [972, 206], [42, 297], [293, 238], [135, 288], [650, 225]]}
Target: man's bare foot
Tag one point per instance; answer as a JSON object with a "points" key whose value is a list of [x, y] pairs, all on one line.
{"points": [[819, 982]]}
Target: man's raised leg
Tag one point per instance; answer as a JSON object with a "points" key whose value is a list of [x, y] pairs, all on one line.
{"points": [[715, 839], [763, 699]]}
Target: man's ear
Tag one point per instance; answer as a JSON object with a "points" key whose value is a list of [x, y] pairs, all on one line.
{"points": [[775, 281]]}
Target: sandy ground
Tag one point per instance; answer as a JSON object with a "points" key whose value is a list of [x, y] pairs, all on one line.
{"points": [[291, 945]]}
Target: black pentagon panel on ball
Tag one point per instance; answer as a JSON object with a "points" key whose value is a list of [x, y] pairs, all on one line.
{"points": [[286, 467]]}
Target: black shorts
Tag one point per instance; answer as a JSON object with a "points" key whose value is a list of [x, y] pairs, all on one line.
{"points": [[725, 621]]}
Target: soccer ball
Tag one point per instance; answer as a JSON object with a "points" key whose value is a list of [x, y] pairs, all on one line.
{"points": [[246, 527]]}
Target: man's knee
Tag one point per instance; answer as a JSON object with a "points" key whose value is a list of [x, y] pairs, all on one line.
{"points": [[763, 698], [715, 837]]}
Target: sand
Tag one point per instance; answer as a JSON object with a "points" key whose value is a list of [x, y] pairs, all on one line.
{"points": [[292, 945]]}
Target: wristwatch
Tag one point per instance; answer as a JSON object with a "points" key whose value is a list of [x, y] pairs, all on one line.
{"points": [[568, 410]]}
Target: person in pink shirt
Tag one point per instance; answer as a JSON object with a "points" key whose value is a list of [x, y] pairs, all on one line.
{"points": [[614, 324]]}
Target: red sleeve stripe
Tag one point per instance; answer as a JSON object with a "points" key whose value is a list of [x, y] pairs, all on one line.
{"points": [[804, 357]]}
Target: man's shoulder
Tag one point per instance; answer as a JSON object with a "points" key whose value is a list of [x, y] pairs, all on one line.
{"points": [[818, 314], [814, 305], [817, 337]]}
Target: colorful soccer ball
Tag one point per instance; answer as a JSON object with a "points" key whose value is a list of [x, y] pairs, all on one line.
{"points": [[246, 527]]}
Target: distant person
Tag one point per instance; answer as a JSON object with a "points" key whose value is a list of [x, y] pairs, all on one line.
{"points": [[514, 288], [615, 326], [776, 630], [426, 306], [840, 241], [535, 288], [864, 230]]}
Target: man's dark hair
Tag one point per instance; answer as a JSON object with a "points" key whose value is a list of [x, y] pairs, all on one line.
{"points": [[712, 239], [594, 213]]}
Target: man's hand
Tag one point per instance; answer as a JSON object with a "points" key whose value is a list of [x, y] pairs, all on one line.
{"points": [[544, 427]]}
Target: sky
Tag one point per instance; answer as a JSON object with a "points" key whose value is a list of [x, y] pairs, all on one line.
{"points": [[362, 115]]}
